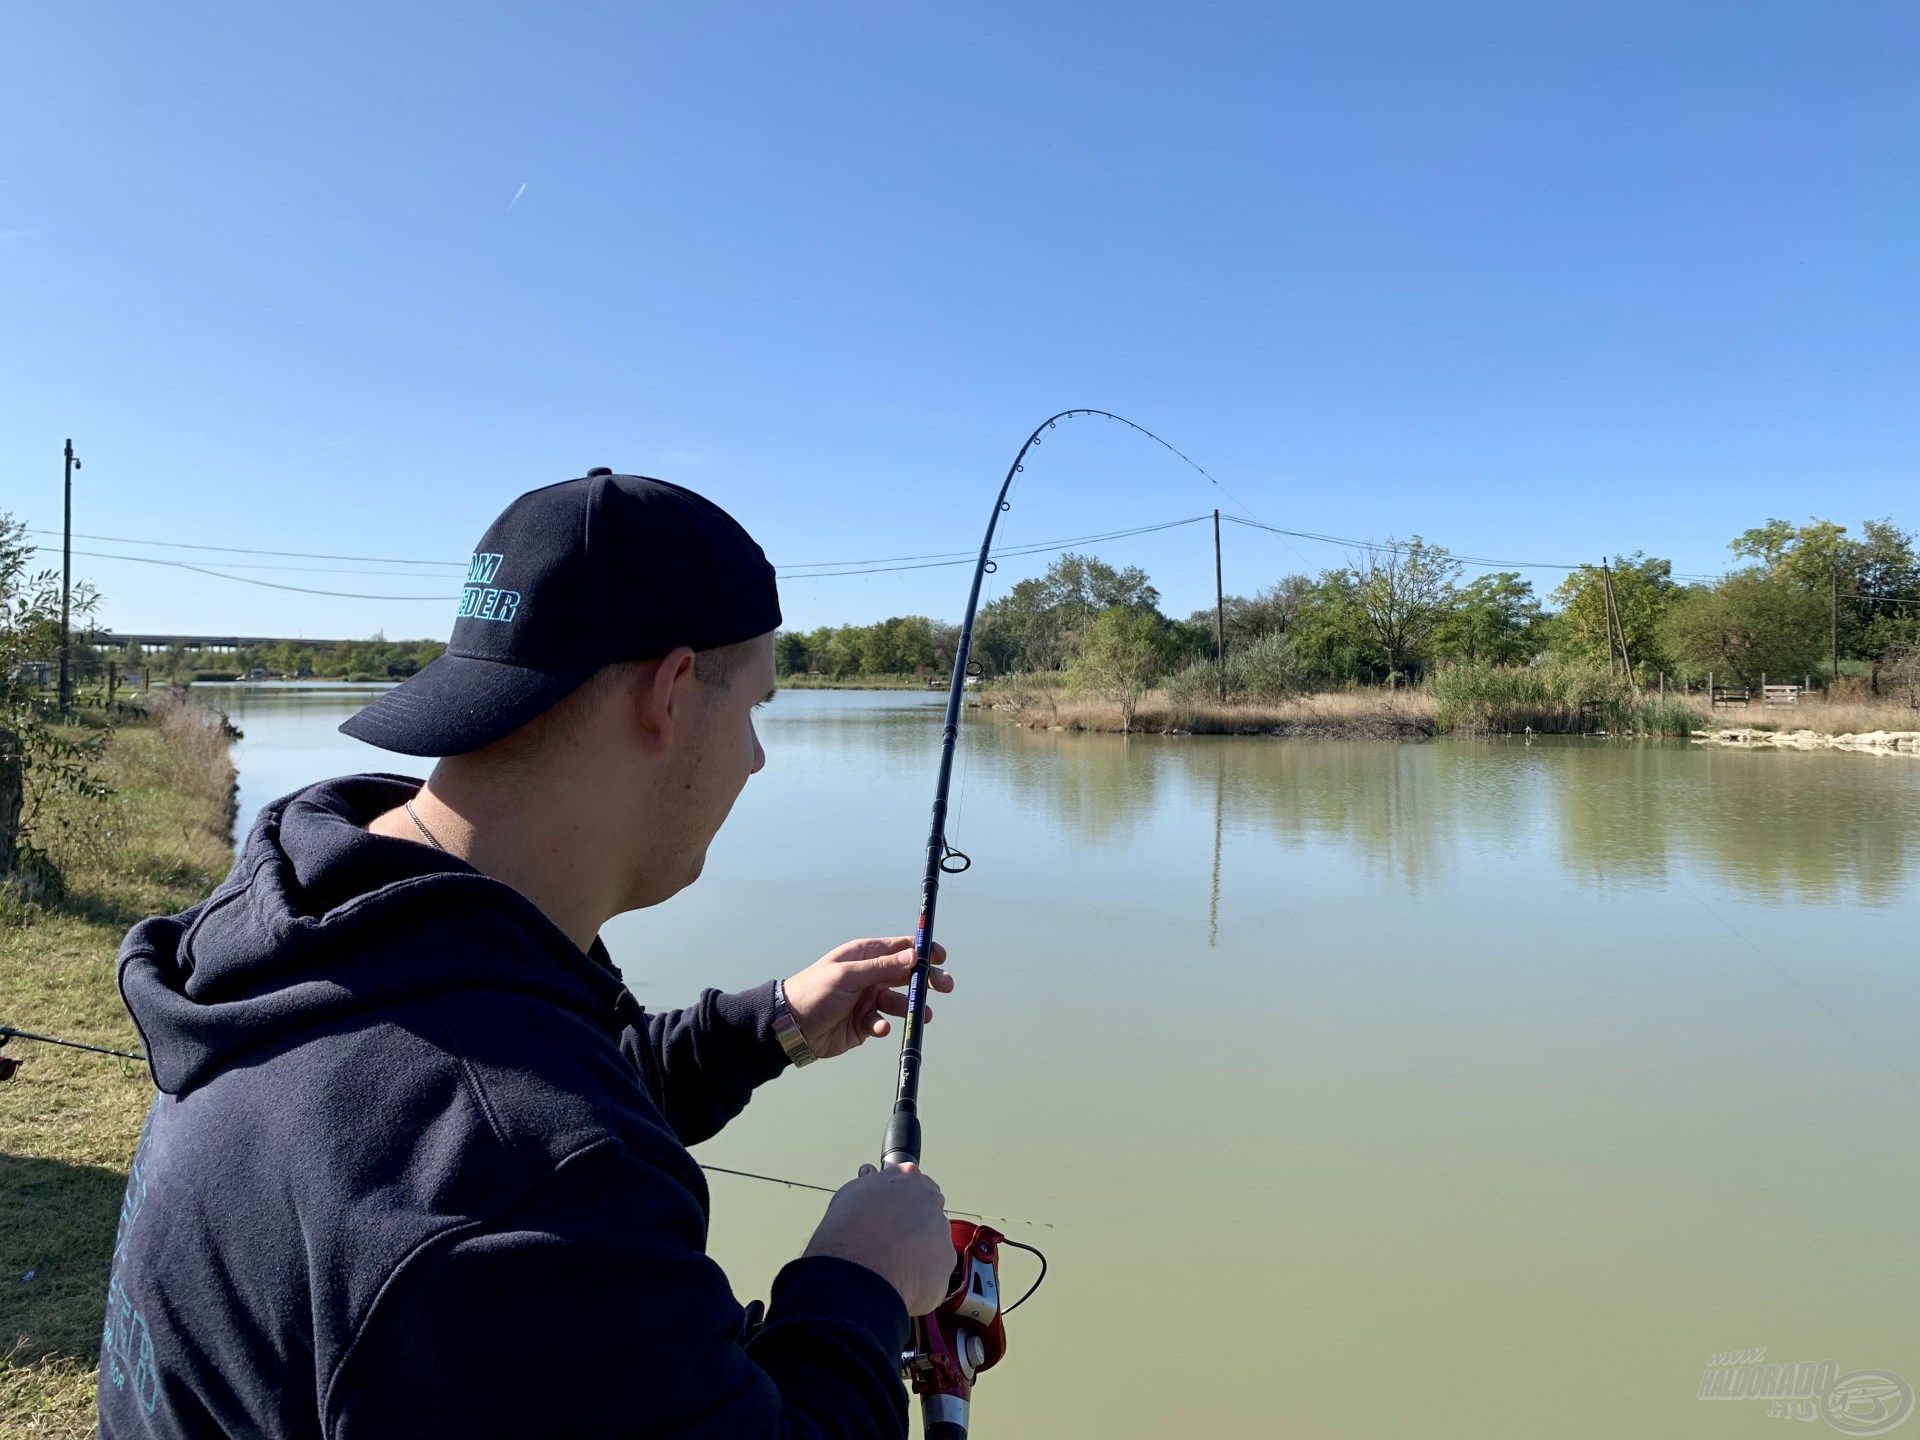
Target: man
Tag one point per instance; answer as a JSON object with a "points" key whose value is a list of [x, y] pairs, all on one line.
{"points": [[418, 1163]]}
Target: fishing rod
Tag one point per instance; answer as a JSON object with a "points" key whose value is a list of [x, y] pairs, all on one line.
{"points": [[964, 1336]]}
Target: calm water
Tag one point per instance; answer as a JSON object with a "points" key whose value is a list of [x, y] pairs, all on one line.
{"points": [[1369, 1089]]}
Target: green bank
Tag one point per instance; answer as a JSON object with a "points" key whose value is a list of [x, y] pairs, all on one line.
{"points": [[69, 1119]]}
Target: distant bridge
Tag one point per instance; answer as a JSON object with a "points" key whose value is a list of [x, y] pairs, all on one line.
{"points": [[211, 644]]}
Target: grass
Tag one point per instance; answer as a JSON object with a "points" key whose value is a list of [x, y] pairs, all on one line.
{"points": [[859, 682], [69, 1120], [1554, 697], [1837, 718], [1373, 713]]}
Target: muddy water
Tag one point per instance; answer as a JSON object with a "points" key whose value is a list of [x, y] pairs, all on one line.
{"points": [[1459, 1089]]}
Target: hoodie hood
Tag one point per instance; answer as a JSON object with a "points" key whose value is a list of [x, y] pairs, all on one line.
{"points": [[321, 918]]}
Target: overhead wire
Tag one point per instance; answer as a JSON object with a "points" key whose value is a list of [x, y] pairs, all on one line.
{"points": [[249, 580], [823, 569]]}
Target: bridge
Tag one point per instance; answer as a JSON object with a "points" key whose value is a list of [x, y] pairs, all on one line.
{"points": [[211, 644]]}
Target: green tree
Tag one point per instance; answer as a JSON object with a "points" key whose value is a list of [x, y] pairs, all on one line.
{"points": [[1122, 654], [789, 653], [1403, 592], [1329, 634], [1032, 626], [1855, 577], [1642, 590], [1749, 624], [38, 757], [1272, 611], [1495, 618]]}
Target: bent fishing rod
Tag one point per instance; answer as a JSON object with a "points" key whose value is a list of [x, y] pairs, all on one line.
{"points": [[965, 1335]]}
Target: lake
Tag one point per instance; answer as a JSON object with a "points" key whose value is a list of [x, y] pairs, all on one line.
{"points": [[1367, 1089]]}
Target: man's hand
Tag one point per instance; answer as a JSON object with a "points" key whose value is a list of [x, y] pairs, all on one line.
{"points": [[848, 993], [891, 1221]]}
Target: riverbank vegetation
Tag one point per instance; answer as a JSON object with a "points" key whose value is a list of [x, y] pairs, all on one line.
{"points": [[1624, 647], [108, 812], [152, 837], [377, 658]]}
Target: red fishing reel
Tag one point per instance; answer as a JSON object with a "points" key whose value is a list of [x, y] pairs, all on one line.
{"points": [[963, 1337]]}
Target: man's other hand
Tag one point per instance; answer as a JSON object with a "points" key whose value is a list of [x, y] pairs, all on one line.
{"points": [[892, 1222], [848, 993]]}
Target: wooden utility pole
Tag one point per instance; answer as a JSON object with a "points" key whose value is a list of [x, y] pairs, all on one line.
{"points": [[1606, 605], [66, 589], [1219, 610], [1614, 627], [1833, 629]]}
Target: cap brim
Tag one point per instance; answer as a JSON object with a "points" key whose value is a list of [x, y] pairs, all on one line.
{"points": [[460, 703]]}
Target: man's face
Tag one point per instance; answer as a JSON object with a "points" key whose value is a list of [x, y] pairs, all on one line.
{"points": [[723, 750]]}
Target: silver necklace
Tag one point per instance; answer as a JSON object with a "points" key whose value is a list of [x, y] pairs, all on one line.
{"points": [[421, 826]]}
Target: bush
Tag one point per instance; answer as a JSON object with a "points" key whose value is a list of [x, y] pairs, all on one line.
{"points": [[1553, 696], [1267, 671]]}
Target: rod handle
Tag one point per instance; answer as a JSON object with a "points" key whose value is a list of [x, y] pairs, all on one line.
{"points": [[903, 1139]]}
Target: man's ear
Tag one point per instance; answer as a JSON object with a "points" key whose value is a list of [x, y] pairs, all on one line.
{"points": [[661, 697]]}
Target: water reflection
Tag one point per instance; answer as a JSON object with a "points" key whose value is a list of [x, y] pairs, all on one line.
{"points": [[1770, 825]]}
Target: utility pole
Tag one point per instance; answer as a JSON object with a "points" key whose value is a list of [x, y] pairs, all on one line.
{"points": [[1606, 593], [66, 588], [1219, 611], [1833, 628]]}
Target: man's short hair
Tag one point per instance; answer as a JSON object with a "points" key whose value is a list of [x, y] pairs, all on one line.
{"points": [[714, 669]]}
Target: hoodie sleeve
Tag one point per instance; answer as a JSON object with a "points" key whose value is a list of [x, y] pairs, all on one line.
{"points": [[702, 1063], [590, 1309]]}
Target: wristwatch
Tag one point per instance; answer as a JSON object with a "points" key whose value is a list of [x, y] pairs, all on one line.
{"points": [[787, 1030]]}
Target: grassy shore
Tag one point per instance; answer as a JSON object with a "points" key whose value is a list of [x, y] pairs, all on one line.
{"points": [[858, 682], [1383, 714], [69, 1120], [1358, 714]]}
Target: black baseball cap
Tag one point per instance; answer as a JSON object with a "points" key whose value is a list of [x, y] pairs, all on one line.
{"points": [[571, 578]]}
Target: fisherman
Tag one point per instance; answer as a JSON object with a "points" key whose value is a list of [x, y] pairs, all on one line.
{"points": [[418, 1165]]}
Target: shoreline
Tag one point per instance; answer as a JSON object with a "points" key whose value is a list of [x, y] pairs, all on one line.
{"points": [[1411, 715], [1871, 742]]}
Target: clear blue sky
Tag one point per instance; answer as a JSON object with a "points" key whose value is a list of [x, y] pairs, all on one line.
{"points": [[1534, 280]]}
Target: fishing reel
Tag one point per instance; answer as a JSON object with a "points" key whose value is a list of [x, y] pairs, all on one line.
{"points": [[963, 1337]]}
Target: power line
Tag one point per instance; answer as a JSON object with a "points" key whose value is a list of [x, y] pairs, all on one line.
{"points": [[248, 550], [847, 567], [249, 580], [1037, 548], [1395, 546], [813, 570]]}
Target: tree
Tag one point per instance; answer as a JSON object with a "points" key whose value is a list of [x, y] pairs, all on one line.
{"points": [[1273, 611], [1032, 626], [1749, 624], [1853, 577], [1903, 671], [1122, 654], [1494, 618], [1885, 566], [1403, 592], [1329, 634], [1642, 590], [38, 759], [789, 653]]}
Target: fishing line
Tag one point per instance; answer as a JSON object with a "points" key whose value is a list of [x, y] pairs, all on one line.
{"points": [[9, 1032], [831, 1190]]}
